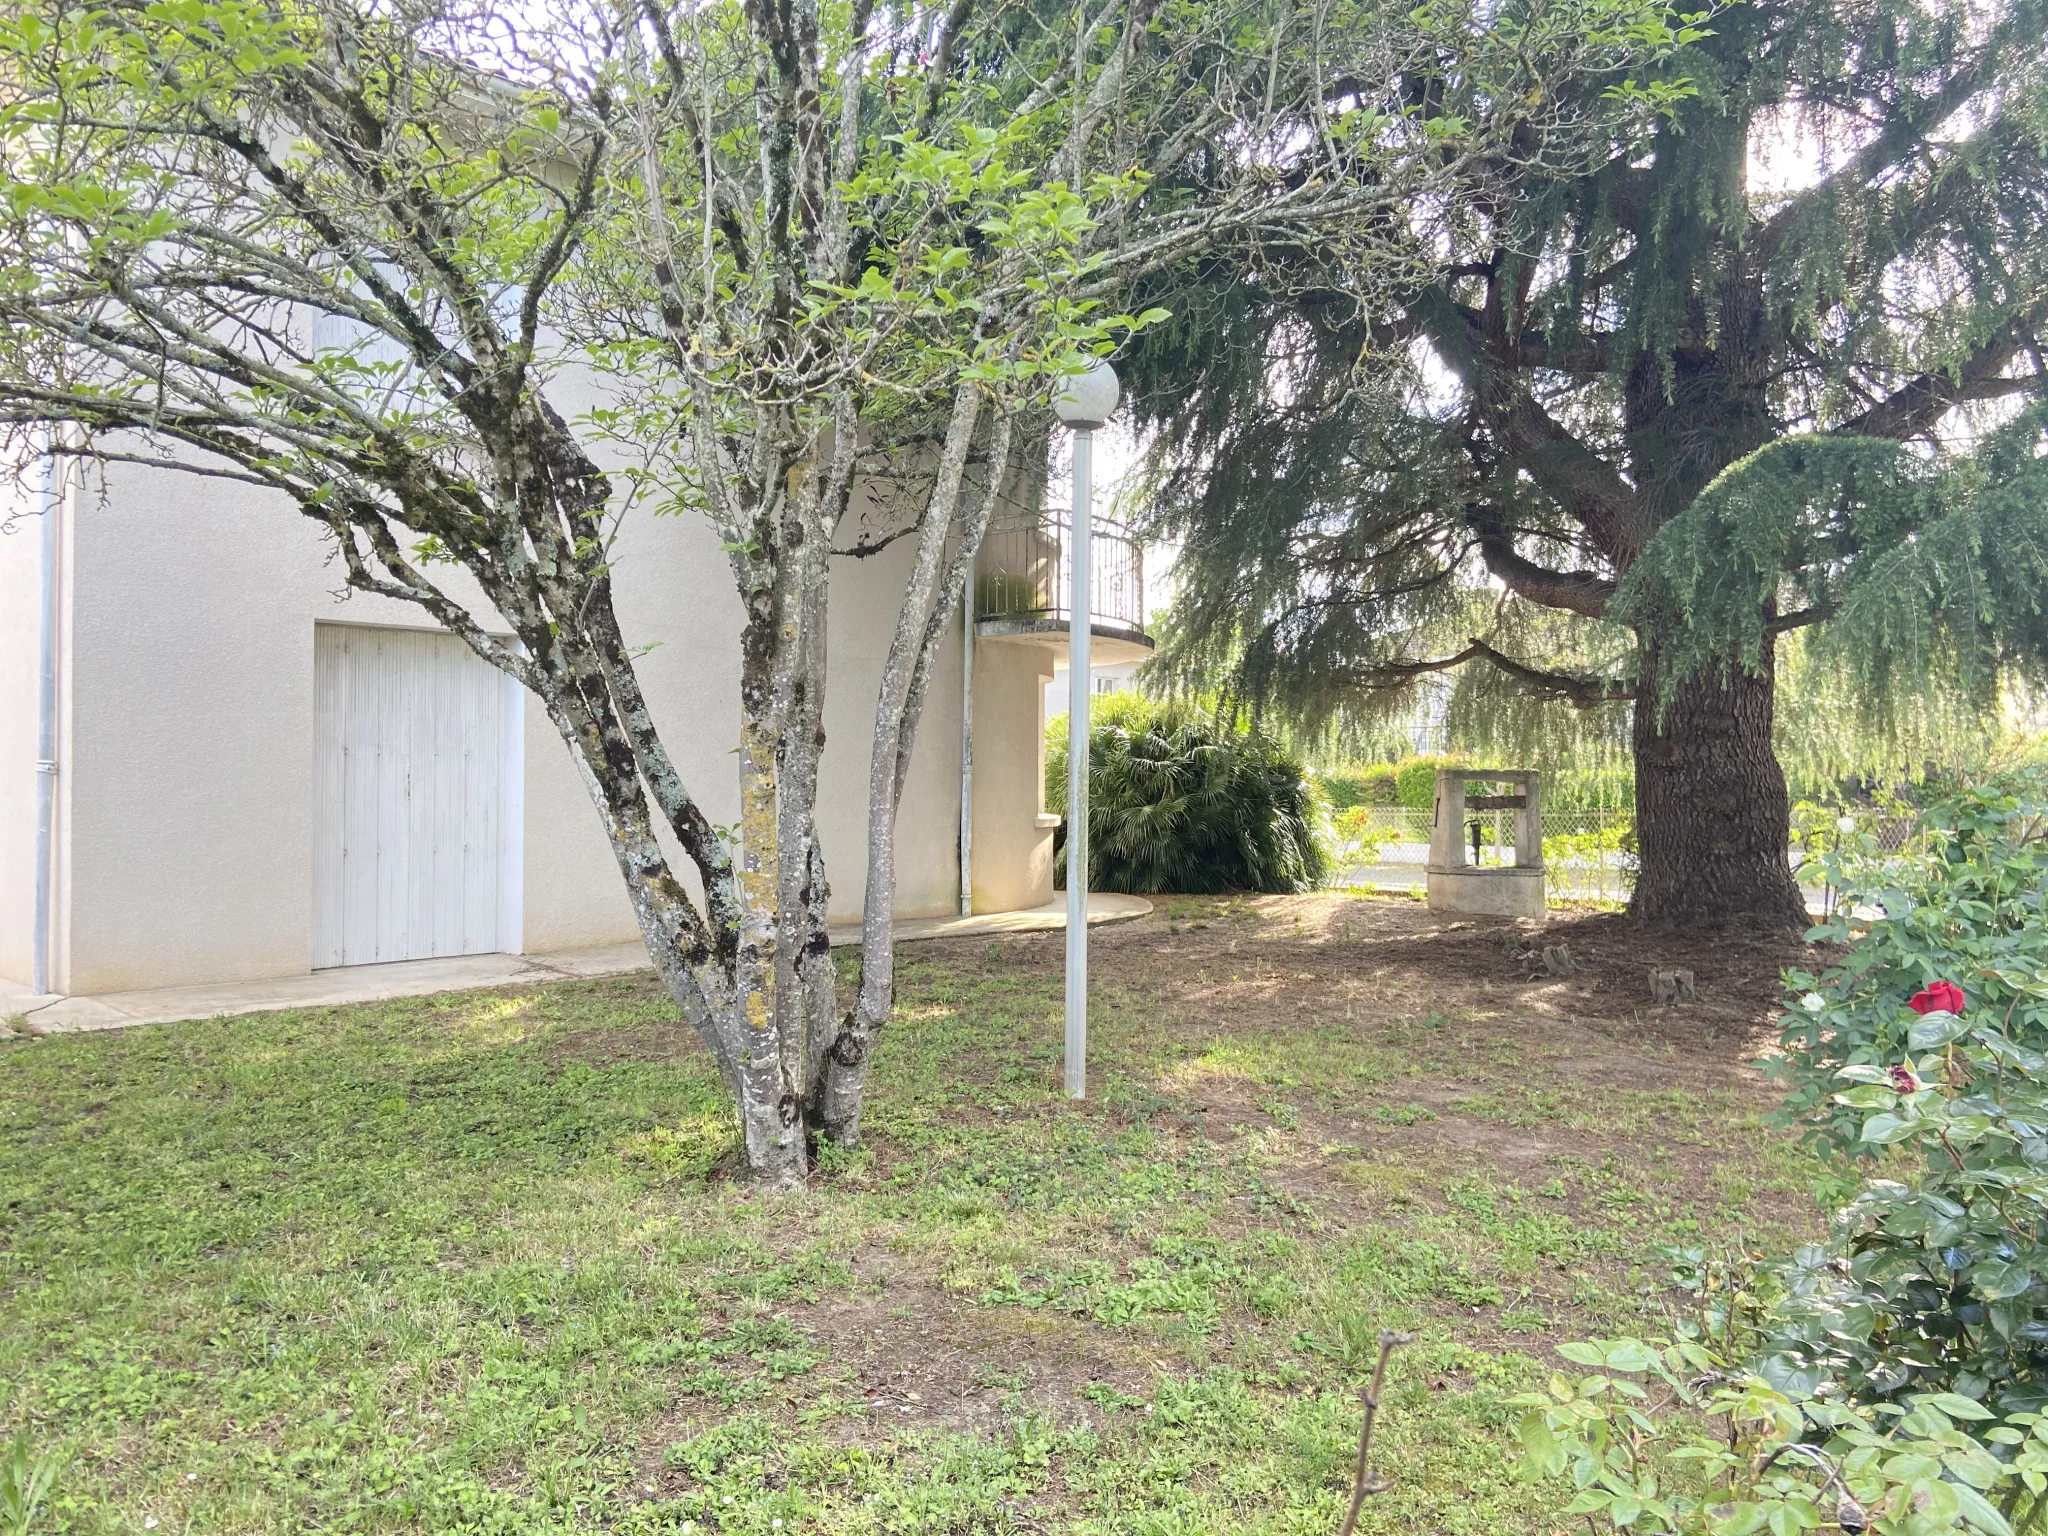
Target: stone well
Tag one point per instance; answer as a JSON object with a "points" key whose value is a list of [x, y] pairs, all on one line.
{"points": [[1455, 882]]}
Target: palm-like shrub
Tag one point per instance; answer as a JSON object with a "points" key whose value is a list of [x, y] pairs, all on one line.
{"points": [[1180, 801]]}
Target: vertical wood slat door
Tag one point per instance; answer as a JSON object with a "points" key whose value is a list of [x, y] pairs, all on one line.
{"points": [[412, 803]]}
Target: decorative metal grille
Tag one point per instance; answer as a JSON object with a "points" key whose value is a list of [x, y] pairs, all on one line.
{"points": [[1026, 572]]}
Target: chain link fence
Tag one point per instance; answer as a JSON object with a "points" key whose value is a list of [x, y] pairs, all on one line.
{"points": [[1589, 855], [1817, 832]]}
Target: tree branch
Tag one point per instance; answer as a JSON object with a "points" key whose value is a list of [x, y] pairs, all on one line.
{"points": [[1581, 592], [1580, 480], [1914, 409], [1797, 619], [1900, 133], [1580, 691]]}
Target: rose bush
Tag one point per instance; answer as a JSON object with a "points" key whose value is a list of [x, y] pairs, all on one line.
{"points": [[1942, 997], [1936, 1278], [1628, 1441], [1895, 1376], [1959, 926]]}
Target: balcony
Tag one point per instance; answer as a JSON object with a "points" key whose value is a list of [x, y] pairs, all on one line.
{"points": [[1024, 584]]}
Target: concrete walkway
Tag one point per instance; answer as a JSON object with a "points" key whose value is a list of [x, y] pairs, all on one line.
{"points": [[47, 1015]]}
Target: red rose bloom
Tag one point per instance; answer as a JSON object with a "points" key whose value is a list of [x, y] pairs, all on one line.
{"points": [[1905, 1082], [1942, 997]]}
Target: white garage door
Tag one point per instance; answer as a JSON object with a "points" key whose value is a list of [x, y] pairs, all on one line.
{"points": [[416, 788]]}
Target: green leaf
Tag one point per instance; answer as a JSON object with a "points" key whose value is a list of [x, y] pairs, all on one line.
{"points": [[1545, 1457], [1912, 1467], [1997, 1280], [1979, 1511], [1735, 1519], [1935, 1030], [1629, 1355], [1956, 1406]]}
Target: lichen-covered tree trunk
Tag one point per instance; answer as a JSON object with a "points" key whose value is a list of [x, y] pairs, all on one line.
{"points": [[948, 537], [1712, 813], [720, 976]]}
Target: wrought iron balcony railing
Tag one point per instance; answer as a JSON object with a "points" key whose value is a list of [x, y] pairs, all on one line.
{"points": [[1025, 573]]}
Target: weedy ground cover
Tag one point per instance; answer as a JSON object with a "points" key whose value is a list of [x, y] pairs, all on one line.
{"points": [[475, 1262]]}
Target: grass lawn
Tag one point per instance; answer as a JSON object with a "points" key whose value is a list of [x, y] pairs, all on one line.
{"points": [[471, 1263]]}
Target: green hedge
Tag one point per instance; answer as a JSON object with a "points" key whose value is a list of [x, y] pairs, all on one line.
{"points": [[1372, 784], [1178, 802], [1415, 781], [1411, 783]]}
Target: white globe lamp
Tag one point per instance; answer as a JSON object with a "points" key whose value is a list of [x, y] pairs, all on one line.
{"points": [[1087, 400]]}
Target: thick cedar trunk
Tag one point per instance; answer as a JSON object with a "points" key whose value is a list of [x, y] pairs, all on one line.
{"points": [[1712, 815]]}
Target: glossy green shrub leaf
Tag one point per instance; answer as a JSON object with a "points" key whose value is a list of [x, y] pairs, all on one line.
{"points": [[1936, 1029]]}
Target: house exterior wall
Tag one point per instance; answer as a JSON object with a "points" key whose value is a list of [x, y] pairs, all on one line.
{"points": [[21, 537], [186, 827], [866, 597], [1013, 831]]}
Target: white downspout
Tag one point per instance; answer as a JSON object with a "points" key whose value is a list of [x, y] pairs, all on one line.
{"points": [[967, 746], [46, 736]]}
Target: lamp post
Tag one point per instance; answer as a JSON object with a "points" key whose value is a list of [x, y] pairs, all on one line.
{"points": [[1085, 404]]}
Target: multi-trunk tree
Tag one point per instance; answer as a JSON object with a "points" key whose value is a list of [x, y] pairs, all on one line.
{"points": [[1643, 416], [341, 253]]}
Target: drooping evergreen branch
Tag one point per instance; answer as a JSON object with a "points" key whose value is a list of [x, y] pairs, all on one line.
{"points": [[1530, 438], [1577, 689], [1906, 124], [1914, 408], [1924, 566], [1581, 690]]}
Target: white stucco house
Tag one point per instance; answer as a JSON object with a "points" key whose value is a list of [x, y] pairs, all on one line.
{"points": [[252, 774]]}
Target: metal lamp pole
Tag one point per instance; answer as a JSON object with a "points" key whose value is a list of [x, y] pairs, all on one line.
{"points": [[1087, 402]]}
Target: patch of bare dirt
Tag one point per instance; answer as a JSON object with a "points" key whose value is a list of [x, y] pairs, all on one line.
{"points": [[660, 1039], [916, 1358], [1279, 962], [1411, 959], [918, 1355], [1505, 1055], [1482, 1063]]}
